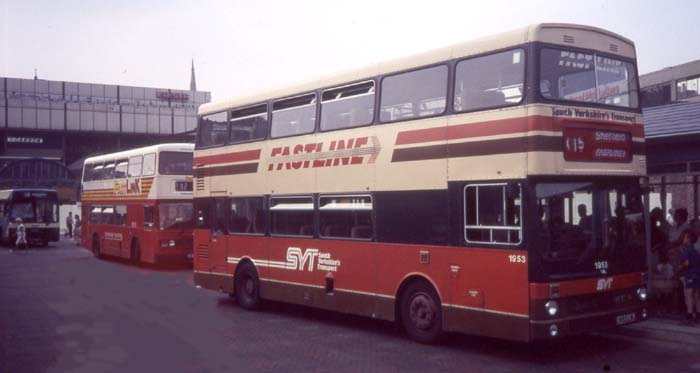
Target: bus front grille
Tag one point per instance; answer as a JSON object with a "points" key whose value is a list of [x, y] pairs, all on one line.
{"points": [[202, 252]]}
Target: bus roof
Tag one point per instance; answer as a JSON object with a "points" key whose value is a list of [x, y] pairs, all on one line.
{"points": [[175, 147], [573, 35]]}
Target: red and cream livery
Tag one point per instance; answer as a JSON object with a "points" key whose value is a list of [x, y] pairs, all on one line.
{"points": [[491, 187], [137, 204]]}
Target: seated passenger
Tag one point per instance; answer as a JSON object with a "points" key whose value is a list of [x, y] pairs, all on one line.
{"points": [[586, 222]]}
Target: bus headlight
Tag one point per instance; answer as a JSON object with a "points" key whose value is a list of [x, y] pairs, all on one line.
{"points": [[166, 243], [553, 331], [642, 294], [552, 307]]}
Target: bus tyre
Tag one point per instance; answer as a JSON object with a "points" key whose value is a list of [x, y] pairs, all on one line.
{"points": [[96, 245], [421, 313], [247, 287], [135, 252]]}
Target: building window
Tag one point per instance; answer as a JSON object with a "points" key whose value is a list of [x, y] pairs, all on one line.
{"points": [[687, 88], [656, 96]]}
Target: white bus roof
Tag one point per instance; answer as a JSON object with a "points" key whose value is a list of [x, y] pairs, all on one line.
{"points": [[175, 147], [572, 35]]}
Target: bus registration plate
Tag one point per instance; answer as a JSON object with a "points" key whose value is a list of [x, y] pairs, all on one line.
{"points": [[625, 319]]}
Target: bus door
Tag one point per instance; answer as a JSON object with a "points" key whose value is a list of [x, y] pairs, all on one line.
{"points": [[219, 237]]}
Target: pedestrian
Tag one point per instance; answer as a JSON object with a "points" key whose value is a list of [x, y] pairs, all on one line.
{"points": [[669, 217], [69, 224], [21, 241], [676, 236], [76, 232], [691, 274]]}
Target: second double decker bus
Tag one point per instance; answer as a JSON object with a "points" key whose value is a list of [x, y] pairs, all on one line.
{"points": [[137, 204], [493, 187]]}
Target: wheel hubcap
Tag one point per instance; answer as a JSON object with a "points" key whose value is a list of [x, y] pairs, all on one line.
{"points": [[422, 310], [249, 286]]}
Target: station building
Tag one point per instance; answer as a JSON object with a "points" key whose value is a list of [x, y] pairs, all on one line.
{"points": [[47, 128], [671, 104]]}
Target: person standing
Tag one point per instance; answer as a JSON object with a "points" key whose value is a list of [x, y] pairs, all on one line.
{"points": [[69, 224], [77, 229], [676, 236], [691, 268], [21, 241]]}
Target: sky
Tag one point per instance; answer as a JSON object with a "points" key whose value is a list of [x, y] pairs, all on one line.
{"points": [[240, 47]]}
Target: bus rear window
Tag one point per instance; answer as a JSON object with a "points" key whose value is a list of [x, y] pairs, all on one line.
{"points": [[175, 163], [587, 77]]}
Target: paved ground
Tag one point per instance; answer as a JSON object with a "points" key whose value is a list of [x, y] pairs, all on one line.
{"points": [[61, 310]]}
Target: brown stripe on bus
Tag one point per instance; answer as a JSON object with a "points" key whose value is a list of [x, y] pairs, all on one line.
{"points": [[246, 155], [504, 127], [488, 147], [235, 169]]}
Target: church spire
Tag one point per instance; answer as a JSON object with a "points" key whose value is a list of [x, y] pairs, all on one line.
{"points": [[193, 82]]}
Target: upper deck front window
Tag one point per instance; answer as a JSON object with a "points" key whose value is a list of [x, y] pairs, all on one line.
{"points": [[175, 163], [587, 77]]}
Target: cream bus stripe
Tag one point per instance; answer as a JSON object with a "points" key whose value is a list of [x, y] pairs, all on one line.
{"points": [[521, 315]]}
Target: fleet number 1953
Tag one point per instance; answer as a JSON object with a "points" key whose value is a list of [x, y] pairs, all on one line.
{"points": [[517, 258]]}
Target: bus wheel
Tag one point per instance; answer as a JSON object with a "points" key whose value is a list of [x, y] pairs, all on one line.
{"points": [[96, 245], [135, 252], [247, 286], [421, 313]]}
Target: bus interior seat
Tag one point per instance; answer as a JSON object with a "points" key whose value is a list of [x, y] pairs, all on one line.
{"points": [[259, 222], [338, 230], [239, 224], [361, 231], [306, 230], [492, 98]]}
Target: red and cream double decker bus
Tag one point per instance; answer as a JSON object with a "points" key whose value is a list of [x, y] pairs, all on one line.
{"points": [[137, 204], [493, 187]]}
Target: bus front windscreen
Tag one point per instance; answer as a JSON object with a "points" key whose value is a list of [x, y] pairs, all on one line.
{"points": [[175, 163], [175, 216], [34, 208], [569, 75], [588, 228]]}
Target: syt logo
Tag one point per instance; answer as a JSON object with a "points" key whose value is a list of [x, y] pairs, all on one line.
{"points": [[297, 260], [604, 284]]}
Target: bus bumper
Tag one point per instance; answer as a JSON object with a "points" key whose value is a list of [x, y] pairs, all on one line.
{"points": [[37, 235], [562, 327], [173, 259]]}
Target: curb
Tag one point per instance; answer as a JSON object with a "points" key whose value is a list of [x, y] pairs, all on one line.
{"points": [[660, 330]]}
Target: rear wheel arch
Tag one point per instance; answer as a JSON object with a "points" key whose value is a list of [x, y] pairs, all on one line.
{"points": [[423, 291], [246, 285]]}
